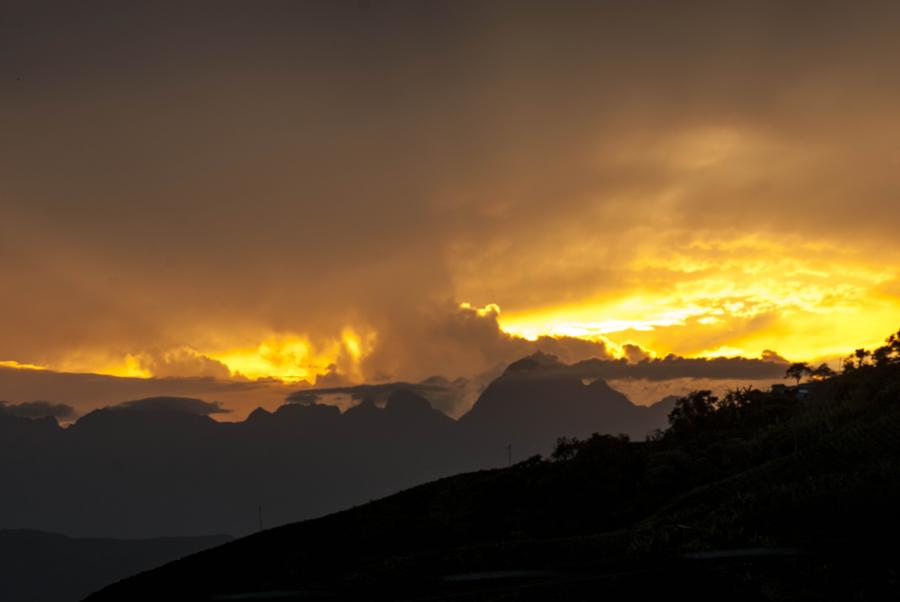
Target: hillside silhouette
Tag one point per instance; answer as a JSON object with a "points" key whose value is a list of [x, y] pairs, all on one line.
{"points": [[162, 466], [785, 494]]}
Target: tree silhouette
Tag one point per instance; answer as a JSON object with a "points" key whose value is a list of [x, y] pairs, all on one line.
{"points": [[797, 371], [893, 342], [691, 412], [889, 353], [566, 448], [823, 372], [847, 364], [861, 356], [883, 355]]}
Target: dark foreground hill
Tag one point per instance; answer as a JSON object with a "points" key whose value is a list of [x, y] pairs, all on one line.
{"points": [[48, 567], [160, 466], [786, 495]]}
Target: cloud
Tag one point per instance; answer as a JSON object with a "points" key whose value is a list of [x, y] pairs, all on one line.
{"points": [[306, 397], [630, 165], [569, 349], [331, 377], [38, 409], [179, 405], [451, 397], [375, 392], [672, 367], [635, 353], [86, 392], [181, 362], [772, 356], [649, 379], [461, 340]]}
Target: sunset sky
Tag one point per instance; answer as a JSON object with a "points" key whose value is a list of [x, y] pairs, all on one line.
{"points": [[350, 192]]}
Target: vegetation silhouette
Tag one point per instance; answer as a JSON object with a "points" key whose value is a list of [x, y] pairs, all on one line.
{"points": [[754, 495], [797, 371], [822, 372]]}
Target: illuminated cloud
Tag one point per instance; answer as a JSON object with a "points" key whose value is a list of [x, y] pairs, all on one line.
{"points": [[733, 298], [463, 341], [251, 194], [181, 362]]}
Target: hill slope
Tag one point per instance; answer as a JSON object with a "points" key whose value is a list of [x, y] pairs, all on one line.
{"points": [[783, 495]]}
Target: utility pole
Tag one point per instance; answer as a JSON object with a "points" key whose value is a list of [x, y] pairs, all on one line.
{"points": [[509, 454], [259, 513]]}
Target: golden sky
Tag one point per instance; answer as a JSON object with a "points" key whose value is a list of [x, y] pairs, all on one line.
{"points": [[347, 192]]}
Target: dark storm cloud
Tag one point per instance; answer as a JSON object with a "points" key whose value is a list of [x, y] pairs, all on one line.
{"points": [[376, 392], [202, 175], [86, 392], [634, 353], [38, 409], [672, 367], [178, 405]]}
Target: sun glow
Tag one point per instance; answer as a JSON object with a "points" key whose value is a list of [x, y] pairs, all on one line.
{"points": [[805, 324], [132, 368], [295, 358], [127, 365], [285, 357], [736, 297], [20, 366], [288, 357]]}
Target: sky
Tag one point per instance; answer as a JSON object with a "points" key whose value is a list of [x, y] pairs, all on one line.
{"points": [[343, 192]]}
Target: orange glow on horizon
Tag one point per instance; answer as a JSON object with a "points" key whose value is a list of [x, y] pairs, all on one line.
{"points": [[802, 327], [293, 358], [703, 298], [20, 366], [287, 357], [708, 297]]}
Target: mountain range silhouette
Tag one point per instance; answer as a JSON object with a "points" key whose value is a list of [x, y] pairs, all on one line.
{"points": [[162, 467]]}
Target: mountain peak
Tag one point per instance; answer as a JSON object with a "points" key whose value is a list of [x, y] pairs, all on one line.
{"points": [[406, 400], [258, 414]]}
